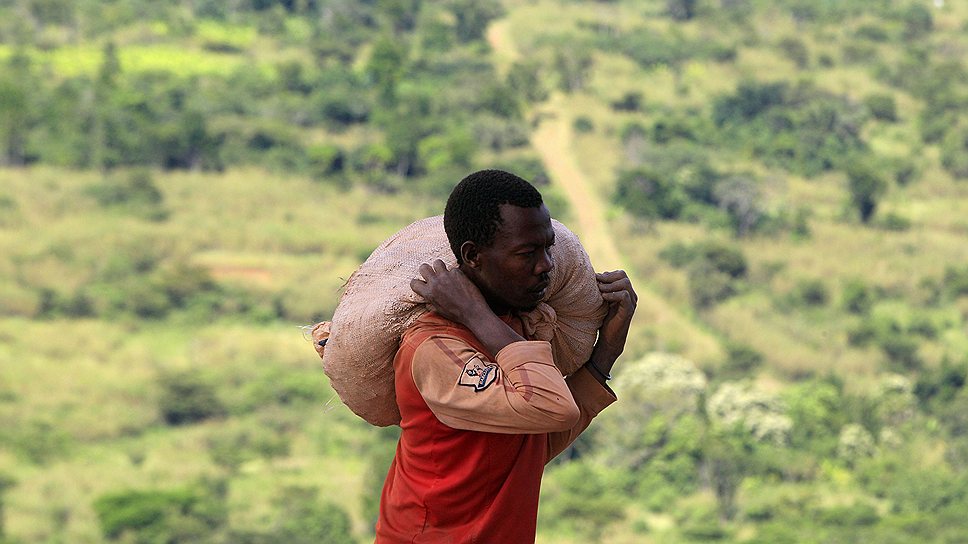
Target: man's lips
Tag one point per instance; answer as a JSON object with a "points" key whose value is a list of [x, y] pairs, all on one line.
{"points": [[539, 288]]}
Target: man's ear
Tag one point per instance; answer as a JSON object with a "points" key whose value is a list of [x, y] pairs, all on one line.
{"points": [[470, 255]]}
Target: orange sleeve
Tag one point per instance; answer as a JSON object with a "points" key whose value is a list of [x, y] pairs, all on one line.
{"points": [[520, 392], [591, 397]]}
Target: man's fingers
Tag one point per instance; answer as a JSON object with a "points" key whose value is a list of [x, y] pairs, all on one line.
{"points": [[425, 270], [610, 276], [619, 296], [624, 284], [419, 286], [428, 270], [620, 283]]}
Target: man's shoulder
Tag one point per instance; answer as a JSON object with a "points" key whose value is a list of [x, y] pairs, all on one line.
{"points": [[432, 325]]}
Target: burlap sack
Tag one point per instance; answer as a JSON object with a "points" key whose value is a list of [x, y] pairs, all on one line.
{"points": [[378, 305]]}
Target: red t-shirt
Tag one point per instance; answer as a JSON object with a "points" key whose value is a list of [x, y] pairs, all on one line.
{"points": [[477, 479]]}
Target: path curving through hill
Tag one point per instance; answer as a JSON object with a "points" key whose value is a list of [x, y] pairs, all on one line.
{"points": [[553, 139]]}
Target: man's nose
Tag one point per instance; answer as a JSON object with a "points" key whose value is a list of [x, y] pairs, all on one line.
{"points": [[545, 263]]}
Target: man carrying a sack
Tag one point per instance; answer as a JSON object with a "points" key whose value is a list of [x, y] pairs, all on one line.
{"points": [[483, 406]]}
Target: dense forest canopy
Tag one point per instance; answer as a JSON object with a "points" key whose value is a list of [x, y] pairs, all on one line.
{"points": [[183, 183]]}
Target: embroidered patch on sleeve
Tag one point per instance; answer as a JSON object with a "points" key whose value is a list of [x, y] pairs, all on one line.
{"points": [[478, 374]]}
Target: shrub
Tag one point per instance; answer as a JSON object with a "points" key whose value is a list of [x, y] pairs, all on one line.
{"points": [[894, 222], [955, 281], [583, 124], [724, 258], [855, 442], [866, 187], [135, 193], [708, 286], [187, 515], [649, 194], [681, 10], [577, 498], [795, 50], [849, 516], [630, 101], [857, 298], [739, 197], [954, 152], [325, 160], [304, 519], [917, 21], [882, 107], [937, 387], [811, 292], [186, 398], [901, 351], [862, 334], [872, 32], [741, 359], [678, 254]]}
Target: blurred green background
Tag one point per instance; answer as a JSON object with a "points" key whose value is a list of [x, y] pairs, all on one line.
{"points": [[186, 183]]}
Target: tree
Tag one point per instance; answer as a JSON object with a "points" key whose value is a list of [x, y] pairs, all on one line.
{"points": [[385, 67], [648, 194], [573, 63], [954, 152], [866, 187], [681, 10], [739, 197], [6, 482], [473, 16], [304, 519], [15, 93], [577, 497], [187, 515], [188, 399]]}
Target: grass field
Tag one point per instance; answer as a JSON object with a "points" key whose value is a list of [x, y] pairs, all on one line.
{"points": [[93, 323]]}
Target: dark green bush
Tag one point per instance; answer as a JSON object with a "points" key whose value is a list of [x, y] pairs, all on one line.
{"points": [[858, 514], [708, 286], [325, 160], [862, 334], [857, 297], [872, 32], [882, 106], [135, 193], [917, 20], [584, 124], [954, 152], [741, 359], [724, 258], [795, 50], [866, 187], [577, 499], [955, 281], [630, 101], [186, 398], [649, 194], [811, 292], [189, 515], [937, 387], [901, 351]]}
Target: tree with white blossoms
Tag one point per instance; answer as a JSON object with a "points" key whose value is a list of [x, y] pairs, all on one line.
{"points": [[655, 433], [759, 413], [895, 400], [661, 381], [855, 443]]}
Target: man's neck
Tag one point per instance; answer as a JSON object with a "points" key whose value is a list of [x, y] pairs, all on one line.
{"points": [[496, 306]]}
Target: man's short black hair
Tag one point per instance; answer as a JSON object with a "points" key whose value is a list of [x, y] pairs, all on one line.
{"points": [[473, 210]]}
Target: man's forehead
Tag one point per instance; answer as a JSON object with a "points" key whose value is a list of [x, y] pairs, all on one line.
{"points": [[525, 225]]}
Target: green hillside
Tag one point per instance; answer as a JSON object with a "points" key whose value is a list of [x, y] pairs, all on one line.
{"points": [[183, 185]]}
